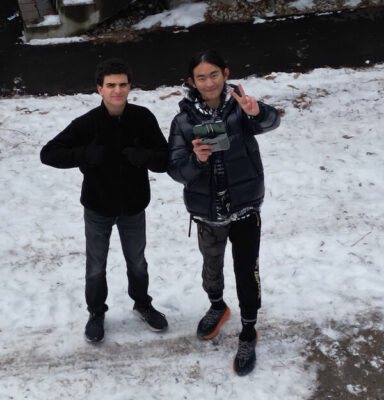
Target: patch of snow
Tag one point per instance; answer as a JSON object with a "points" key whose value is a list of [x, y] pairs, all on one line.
{"points": [[185, 15], [258, 20], [53, 41], [302, 5], [77, 2], [355, 389], [352, 3], [49, 20]]}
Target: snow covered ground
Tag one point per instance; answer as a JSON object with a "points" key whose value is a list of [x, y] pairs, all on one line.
{"points": [[321, 253]]}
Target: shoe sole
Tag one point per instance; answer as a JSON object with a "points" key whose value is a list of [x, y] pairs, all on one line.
{"points": [[218, 326], [253, 367], [149, 326], [93, 341]]}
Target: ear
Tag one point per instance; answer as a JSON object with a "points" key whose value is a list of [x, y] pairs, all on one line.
{"points": [[100, 90], [191, 83], [226, 73]]}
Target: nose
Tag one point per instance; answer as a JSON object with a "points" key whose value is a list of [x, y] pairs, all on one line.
{"points": [[210, 83]]}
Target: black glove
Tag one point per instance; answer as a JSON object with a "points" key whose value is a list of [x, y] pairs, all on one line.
{"points": [[94, 154], [138, 157]]}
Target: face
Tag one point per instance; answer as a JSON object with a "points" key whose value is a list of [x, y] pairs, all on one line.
{"points": [[114, 92], [209, 80]]}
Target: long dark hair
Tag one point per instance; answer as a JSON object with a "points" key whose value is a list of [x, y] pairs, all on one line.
{"points": [[209, 56]]}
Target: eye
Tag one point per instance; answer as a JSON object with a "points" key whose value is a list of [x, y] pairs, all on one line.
{"points": [[110, 85], [124, 85]]}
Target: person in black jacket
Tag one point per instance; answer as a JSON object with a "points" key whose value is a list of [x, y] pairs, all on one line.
{"points": [[223, 189], [113, 145]]}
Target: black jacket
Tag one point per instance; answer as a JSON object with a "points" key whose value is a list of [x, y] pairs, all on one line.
{"points": [[242, 162], [112, 186]]}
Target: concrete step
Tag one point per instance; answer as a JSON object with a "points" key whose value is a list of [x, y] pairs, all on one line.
{"points": [[72, 17], [34, 11]]}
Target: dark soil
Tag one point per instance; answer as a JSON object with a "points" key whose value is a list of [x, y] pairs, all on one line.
{"points": [[350, 366]]}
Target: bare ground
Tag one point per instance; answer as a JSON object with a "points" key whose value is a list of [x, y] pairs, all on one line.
{"points": [[350, 366]]}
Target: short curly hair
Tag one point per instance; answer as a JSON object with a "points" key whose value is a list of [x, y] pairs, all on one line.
{"points": [[113, 66]]}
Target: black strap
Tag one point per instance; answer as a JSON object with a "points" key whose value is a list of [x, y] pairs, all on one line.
{"points": [[190, 225]]}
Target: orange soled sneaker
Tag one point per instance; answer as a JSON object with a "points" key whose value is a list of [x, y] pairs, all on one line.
{"points": [[210, 324], [245, 359]]}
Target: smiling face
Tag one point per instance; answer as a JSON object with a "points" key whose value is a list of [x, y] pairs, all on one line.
{"points": [[209, 80], [114, 92]]}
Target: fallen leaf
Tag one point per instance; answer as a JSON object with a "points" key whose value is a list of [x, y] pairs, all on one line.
{"points": [[177, 93]]}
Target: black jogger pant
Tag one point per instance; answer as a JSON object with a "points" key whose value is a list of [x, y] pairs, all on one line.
{"points": [[245, 238]]}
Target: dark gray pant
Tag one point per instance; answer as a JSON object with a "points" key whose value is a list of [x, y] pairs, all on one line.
{"points": [[245, 238], [98, 229]]}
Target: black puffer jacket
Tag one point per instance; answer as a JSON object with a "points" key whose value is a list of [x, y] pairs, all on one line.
{"points": [[243, 166], [113, 187]]}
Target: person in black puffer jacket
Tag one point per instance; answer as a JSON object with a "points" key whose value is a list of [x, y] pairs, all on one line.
{"points": [[113, 145], [223, 189]]}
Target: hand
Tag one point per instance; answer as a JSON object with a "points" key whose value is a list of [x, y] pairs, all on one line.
{"points": [[94, 154], [247, 103], [202, 151], [138, 157]]}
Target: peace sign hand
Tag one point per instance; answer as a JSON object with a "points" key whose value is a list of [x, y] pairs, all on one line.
{"points": [[247, 103]]}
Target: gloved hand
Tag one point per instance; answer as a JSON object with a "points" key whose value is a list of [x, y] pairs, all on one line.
{"points": [[138, 156], [94, 154]]}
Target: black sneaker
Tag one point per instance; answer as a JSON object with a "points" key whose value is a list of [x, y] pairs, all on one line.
{"points": [[94, 330], [155, 319], [245, 359], [210, 324]]}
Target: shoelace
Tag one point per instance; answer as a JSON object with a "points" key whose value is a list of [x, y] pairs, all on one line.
{"points": [[245, 349], [212, 316], [152, 311]]}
